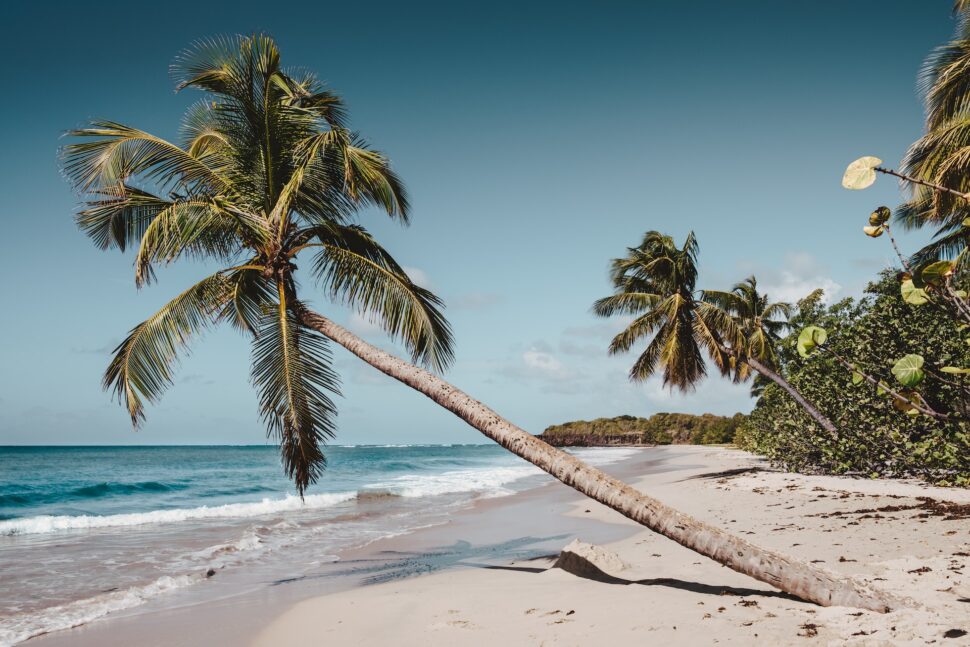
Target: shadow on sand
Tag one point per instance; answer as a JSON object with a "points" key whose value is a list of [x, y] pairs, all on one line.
{"points": [[389, 566]]}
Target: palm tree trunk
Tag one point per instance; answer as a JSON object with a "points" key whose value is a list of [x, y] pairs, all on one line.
{"points": [[796, 578], [817, 415]]}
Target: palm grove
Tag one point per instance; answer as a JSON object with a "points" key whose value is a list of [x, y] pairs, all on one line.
{"points": [[268, 175]]}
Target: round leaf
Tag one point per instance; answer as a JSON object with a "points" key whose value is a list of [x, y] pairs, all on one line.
{"points": [[857, 378], [873, 231], [860, 174], [913, 295], [909, 370], [809, 339], [936, 273], [880, 216]]}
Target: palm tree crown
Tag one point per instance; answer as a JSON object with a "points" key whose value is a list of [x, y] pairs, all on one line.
{"points": [[755, 324], [266, 169], [655, 282], [738, 330]]}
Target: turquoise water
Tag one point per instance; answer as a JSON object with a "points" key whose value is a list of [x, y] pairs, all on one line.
{"points": [[86, 531], [101, 481]]}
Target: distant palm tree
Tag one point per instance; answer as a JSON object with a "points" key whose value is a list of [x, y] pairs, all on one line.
{"points": [[656, 282], [751, 335], [737, 330], [267, 170]]}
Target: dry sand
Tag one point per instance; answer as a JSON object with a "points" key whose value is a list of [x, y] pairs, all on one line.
{"points": [[881, 532]]}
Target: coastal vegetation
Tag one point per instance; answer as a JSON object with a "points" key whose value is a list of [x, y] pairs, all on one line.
{"points": [[736, 331], [268, 170], [878, 437], [658, 429], [893, 366]]}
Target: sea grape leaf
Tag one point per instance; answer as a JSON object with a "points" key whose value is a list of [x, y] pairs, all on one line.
{"points": [[809, 339], [909, 370], [913, 295], [860, 174], [935, 273]]}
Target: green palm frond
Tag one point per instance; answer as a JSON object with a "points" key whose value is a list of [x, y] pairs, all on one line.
{"points": [[203, 137], [368, 177], [250, 297], [117, 216], [656, 282], [292, 371], [625, 303], [681, 355], [142, 366], [357, 271], [648, 362], [726, 301], [194, 227], [948, 242], [747, 322], [112, 152], [640, 328]]}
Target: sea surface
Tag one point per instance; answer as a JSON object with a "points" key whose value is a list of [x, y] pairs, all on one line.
{"points": [[85, 531]]}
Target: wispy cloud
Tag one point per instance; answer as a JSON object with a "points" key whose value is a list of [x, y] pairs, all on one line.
{"points": [[802, 273]]}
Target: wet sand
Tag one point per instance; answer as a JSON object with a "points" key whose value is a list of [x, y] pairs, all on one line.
{"points": [[485, 578], [904, 538], [237, 604]]}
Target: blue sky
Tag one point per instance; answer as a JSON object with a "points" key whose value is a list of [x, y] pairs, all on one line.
{"points": [[538, 140]]}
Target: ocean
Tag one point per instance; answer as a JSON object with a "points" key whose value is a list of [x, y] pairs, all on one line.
{"points": [[86, 531]]}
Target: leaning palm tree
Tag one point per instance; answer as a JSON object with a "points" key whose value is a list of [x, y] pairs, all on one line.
{"points": [[737, 330], [267, 171], [751, 335], [758, 322]]}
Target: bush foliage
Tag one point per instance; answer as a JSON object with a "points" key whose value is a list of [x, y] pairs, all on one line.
{"points": [[875, 438]]}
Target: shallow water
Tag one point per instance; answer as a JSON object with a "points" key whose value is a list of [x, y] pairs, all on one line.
{"points": [[87, 531]]}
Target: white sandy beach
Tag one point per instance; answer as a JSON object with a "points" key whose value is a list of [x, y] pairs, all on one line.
{"points": [[878, 531]]}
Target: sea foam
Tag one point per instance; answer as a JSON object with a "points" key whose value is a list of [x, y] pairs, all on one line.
{"points": [[20, 627], [48, 523]]}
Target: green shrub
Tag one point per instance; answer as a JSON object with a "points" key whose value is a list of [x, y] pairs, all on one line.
{"points": [[874, 439]]}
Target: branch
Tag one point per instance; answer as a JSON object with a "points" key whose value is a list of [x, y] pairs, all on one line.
{"points": [[924, 408], [931, 185]]}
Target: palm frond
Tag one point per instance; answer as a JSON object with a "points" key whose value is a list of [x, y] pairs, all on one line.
{"points": [[142, 366], [112, 153], [726, 301], [250, 297], [625, 303], [368, 177], [117, 216], [948, 242], [292, 371], [194, 227], [640, 328], [356, 270]]}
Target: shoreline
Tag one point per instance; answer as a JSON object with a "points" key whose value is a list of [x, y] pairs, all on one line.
{"points": [[485, 576], [219, 613], [886, 533]]}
